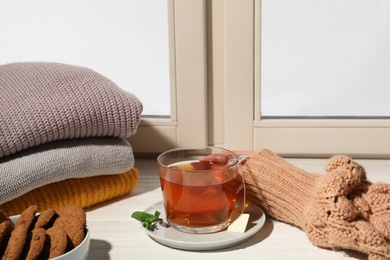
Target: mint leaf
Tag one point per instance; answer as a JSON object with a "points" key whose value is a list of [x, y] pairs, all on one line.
{"points": [[148, 220], [141, 216]]}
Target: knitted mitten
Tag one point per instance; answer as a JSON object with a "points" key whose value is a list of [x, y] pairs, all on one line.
{"points": [[340, 209]]}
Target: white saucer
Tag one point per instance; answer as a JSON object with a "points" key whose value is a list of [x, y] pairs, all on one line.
{"points": [[198, 242]]}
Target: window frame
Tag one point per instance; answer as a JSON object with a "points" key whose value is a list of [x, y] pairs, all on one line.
{"points": [[245, 129], [187, 124]]}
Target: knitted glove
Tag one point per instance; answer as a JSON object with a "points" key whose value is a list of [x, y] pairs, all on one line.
{"points": [[339, 210]]}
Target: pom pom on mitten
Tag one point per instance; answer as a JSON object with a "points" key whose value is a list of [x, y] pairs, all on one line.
{"points": [[339, 210]]}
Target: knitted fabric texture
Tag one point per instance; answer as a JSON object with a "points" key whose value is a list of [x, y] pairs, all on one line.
{"points": [[84, 192], [339, 210], [42, 102], [60, 160]]}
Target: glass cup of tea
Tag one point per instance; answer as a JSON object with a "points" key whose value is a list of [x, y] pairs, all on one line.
{"points": [[201, 195]]}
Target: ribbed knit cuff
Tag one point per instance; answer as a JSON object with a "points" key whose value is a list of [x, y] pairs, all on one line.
{"points": [[279, 188]]}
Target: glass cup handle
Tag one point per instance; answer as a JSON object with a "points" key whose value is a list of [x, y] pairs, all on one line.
{"points": [[240, 191]]}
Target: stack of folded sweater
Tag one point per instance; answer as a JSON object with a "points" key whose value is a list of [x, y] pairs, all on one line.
{"points": [[63, 133]]}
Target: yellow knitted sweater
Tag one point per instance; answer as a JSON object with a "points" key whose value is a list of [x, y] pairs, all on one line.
{"points": [[84, 192]]}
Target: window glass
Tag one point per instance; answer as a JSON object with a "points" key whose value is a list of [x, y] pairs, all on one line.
{"points": [[126, 41], [325, 58]]}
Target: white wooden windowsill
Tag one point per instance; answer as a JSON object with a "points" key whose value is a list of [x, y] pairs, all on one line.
{"points": [[115, 235]]}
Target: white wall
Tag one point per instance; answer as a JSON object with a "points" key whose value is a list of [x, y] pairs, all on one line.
{"points": [[126, 41]]}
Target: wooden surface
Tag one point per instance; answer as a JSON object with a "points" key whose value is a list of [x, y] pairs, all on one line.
{"points": [[115, 235]]}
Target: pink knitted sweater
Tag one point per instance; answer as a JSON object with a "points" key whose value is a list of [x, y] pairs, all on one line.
{"points": [[42, 102]]}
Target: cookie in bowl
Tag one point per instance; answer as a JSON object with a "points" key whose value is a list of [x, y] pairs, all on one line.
{"points": [[60, 234]]}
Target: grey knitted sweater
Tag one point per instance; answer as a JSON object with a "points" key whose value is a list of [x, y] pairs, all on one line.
{"points": [[43, 102], [61, 160]]}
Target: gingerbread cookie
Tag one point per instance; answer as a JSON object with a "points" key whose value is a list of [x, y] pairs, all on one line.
{"points": [[72, 219], [6, 228], [19, 234], [45, 218], [73, 228], [56, 243], [35, 243], [3, 216], [47, 235], [73, 211]]}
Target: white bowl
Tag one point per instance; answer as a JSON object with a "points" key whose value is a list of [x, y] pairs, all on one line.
{"points": [[78, 253]]}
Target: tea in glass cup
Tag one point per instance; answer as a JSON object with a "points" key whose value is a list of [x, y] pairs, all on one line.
{"points": [[200, 195]]}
